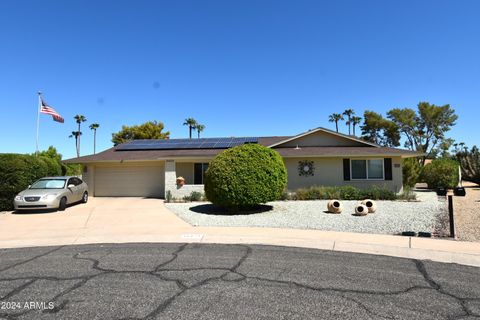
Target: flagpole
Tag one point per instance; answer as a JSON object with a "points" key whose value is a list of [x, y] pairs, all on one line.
{"points": [[38, 118]]}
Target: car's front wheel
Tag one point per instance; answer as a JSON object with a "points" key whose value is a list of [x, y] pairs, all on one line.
{"points": [[63, 204], [85, 197]]}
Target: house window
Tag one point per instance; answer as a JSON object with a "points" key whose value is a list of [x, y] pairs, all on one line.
{"points": [[371, 169], [199, 172]]}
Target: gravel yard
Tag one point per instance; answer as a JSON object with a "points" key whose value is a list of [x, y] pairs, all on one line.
{"points": [[392, 217], [467, 213]]}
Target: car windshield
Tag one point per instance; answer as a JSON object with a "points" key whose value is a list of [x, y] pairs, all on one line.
{"points": [[49, 184]]}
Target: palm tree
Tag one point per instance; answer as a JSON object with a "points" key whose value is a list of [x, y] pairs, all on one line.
{"points": [[79, 119], [349, 113], [335, 117], [191, 123], [355, 121], [76, 135], [94, 127], [199, 128]]}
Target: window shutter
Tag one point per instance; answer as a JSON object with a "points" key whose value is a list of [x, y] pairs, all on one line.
{"points": [[346, 169], [387, 163]]}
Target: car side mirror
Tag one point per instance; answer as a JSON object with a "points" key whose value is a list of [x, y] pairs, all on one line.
{"points": [[70, 186]]}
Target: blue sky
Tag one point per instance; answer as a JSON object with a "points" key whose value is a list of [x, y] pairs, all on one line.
{"points": [[240, 67]]}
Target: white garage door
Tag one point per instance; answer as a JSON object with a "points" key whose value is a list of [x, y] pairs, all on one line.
{"points": [[130, 181]]}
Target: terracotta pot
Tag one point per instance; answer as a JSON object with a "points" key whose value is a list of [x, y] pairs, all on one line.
{"points": [[334, 206], [371, 205], [361, 210]]}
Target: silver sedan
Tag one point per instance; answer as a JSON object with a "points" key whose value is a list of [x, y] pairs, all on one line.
{"points": [[52, 193]]}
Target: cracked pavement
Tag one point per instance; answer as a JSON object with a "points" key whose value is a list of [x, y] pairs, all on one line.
{"points": [[207, 281]]}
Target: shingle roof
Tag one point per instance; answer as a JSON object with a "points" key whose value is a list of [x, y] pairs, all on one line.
{"points": [[114, 155]]}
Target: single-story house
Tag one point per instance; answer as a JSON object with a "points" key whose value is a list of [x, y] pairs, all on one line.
{"points": [[322, 157]]}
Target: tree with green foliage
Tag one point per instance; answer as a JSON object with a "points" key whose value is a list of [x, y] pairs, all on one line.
{"points": [[147, 130], [191, 123], [79, 119], [51, 152], [94, 127], [411, 170], [442, 173], [443, 149], [243, 177], [76, 135], [470, 164], [348, 113], [426, 128], [70, 169], [199, 128], [335, 117], [355, 121], [379, 130]]}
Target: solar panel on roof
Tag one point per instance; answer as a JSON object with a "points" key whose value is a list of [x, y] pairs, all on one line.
{"points": [[170, 144]]}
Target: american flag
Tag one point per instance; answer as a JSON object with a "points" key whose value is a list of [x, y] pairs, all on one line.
{"points": [[45, 108]]}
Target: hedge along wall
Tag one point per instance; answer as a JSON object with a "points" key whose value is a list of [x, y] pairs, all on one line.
{"points": [[17, 171]]}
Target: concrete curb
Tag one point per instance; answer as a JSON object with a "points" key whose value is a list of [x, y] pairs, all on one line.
{"points": [[448, 251]]}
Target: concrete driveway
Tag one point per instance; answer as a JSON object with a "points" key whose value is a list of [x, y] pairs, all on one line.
{"points": [[100, 220]]}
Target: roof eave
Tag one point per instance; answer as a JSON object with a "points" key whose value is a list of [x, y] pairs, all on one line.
{"points": [[324, 130]]}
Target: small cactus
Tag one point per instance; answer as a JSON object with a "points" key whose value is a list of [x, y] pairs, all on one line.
{"points": [[470, 164]]}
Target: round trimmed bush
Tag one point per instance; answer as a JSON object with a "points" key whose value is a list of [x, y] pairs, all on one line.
{"points": [[245, 176], [441, 173]]}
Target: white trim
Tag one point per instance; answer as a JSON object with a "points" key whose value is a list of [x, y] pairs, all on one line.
{"points": [[326, 131], [366, 166]]}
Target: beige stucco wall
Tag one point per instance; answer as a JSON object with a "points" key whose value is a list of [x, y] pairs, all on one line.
{"points": [[322, 139], [329, 172]]}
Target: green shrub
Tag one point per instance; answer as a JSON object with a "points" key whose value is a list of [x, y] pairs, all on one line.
{"points": [[196, 196], [344, 193], [407, 194], [349, 193], [377, 193], [411, 170], [312, 193], [441, 173], [72, 169], [245, 176], [20, 170]]}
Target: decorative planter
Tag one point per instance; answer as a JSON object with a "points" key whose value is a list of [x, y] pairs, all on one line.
{"points": [[334, 206], [180, 181], [370, 204], [361, 210]]}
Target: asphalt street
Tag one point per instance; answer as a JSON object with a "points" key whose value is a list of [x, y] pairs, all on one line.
{"points": [[204, 281]]}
